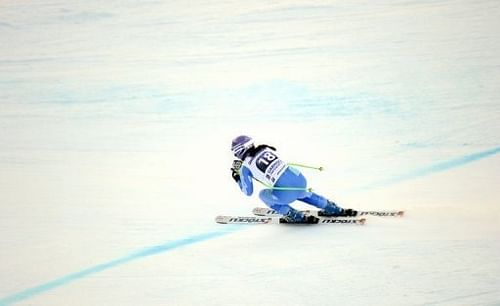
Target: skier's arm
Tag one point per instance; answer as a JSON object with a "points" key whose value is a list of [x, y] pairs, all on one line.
{"points": [[246, 184], [243, 176]]}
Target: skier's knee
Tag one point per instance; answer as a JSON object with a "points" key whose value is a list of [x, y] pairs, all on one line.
{"points": [[268, 197]]}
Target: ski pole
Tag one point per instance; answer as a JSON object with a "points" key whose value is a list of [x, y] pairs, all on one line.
{"points": [[306, 166], [283, 188]]}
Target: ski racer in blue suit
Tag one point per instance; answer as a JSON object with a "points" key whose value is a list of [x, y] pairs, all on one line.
{"points": [[286, 183]]}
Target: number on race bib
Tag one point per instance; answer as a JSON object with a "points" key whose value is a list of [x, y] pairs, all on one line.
{"points": [[265, 160]]}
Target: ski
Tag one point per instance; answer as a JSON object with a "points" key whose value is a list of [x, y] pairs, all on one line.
{"points": [[277, 220], [267, 212]]}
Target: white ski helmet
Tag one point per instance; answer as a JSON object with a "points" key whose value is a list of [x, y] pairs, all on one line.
{"points": [[241, 145]]}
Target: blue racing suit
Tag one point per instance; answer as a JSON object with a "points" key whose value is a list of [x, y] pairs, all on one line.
{"points": [[264, 165]]}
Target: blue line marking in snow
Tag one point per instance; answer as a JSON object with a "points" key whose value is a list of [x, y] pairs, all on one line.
{"points": [[154, 250], [439, 167], [150, 251]]}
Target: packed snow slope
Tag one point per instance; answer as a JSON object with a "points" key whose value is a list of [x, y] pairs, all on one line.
{"points": [[116, 119]]}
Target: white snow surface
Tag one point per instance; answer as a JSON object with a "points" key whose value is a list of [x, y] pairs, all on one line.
{"points": [[115, 125]]}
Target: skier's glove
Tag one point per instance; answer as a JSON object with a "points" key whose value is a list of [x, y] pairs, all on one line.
{"points": [[237, 164], [235, 175], [235, 170]]}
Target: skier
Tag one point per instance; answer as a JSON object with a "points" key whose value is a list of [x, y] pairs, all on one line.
{"points": [[286, 183]]}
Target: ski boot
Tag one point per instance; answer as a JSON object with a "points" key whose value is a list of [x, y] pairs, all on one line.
{"points": [[295, 216], [349, 212], [332, 210]]}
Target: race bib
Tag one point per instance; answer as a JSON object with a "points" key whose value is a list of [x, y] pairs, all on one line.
{"points": [[267, 166]]}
